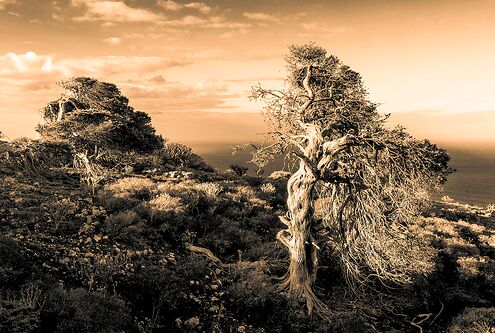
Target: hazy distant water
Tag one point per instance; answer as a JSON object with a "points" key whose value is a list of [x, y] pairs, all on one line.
{"points": [[474, 181]]}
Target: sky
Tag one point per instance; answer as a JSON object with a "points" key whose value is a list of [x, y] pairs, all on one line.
{"points": [[191, 65]]}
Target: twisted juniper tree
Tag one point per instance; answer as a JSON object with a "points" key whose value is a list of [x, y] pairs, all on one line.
{"points": [[94, 117], [92, 114], [373, 178]]}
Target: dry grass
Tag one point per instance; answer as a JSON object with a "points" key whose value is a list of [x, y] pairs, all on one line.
{"points": [[268, 188], [211, 190], [165, 203], [130, 187]]}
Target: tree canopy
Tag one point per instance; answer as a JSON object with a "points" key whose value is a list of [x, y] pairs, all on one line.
{"points": [[92, 114], [371, 178]]}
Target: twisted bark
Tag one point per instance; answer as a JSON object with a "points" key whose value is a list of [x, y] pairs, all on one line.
{"points": [[315, 159], [298, 237]]}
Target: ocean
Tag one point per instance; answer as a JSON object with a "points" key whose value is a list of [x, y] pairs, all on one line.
{"points": [[472, 183]]}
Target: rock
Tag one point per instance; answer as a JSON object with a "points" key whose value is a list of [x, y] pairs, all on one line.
{"points": [[192, 322], [97, 238], [241, 329]]}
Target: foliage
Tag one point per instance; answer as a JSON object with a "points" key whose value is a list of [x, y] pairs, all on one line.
{"points": [[181, 155], [91, 114], [36, 158], [78, 310], [141, 276], [14, 266], [474, 320], [20, 311], [240, 170], [125, 226]]}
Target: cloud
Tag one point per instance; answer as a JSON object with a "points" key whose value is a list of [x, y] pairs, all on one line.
{"points": [[214, 22], [203, 8], [29, 62], [4, 3], [113, 11], [29, 66], [112, 40], [316, 26], [256, 16], [175, 6], [157, 96], [171, 5]]}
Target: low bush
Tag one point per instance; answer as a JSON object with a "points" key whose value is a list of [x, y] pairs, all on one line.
{"points": [[256, 300], [132, 187], [15, 267], [126, 226], [240, 170], [474, 320], [78, 310], [20, 310], [182, 156]]}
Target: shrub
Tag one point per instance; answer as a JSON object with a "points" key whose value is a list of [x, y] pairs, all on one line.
{"points": [[125, 226], [474, 320], [78, 310], [126, 193], [160, 294], [255, 297], [182, 156], [62, 213], [14, 266], [280, 174], [132, 187], [20, 311], [240, 170], [164, 204], [268, 188], [211, 190]]}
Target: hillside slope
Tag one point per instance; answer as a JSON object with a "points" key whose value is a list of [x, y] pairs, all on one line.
{"points": [[193, 251]]}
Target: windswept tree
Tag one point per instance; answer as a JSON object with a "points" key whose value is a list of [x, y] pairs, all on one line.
{"points": [[95, 115], [373, 178]]}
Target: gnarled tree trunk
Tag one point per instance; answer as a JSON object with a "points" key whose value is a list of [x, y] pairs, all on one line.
{"points": [[298, 237]]}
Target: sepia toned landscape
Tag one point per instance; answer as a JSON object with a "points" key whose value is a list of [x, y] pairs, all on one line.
{"points": [[235, 166]]}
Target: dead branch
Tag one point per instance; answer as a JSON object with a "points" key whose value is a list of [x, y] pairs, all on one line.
{"points": [[260, 264]]}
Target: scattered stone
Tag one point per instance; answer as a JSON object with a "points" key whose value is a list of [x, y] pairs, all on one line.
{"points": [[192, 322]]}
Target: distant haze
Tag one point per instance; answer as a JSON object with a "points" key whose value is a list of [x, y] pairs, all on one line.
{"points": [[187, 56], [456, 129]]}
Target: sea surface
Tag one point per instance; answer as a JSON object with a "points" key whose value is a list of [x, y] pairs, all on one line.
{"points": [[472, 183]]}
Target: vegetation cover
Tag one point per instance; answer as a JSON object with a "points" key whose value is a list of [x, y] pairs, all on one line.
{"points": [[100, 234]]}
